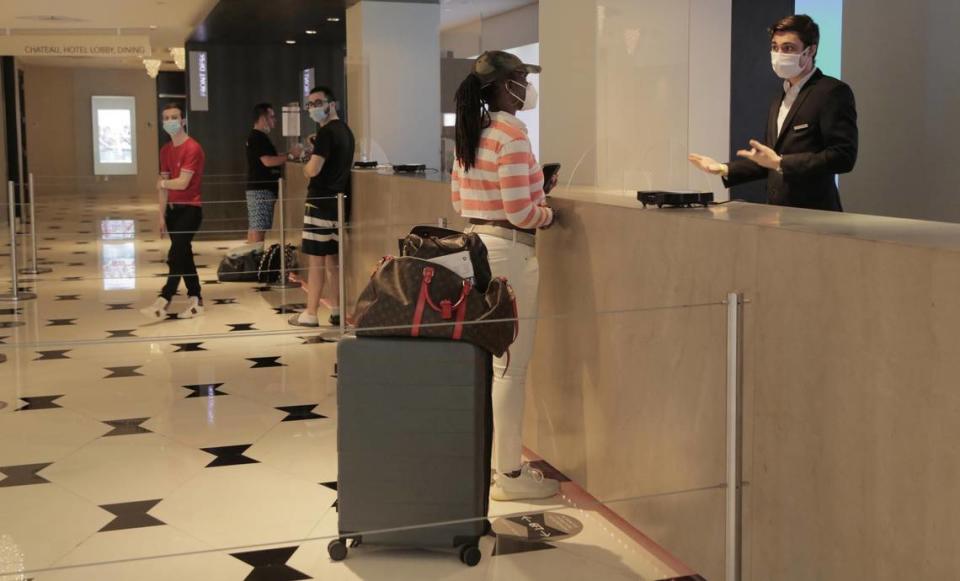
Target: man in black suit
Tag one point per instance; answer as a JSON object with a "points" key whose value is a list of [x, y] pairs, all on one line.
{"points": [[811, 129]]}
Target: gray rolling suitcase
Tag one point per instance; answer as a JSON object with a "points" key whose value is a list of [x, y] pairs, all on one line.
{"points": [[414, 440]]}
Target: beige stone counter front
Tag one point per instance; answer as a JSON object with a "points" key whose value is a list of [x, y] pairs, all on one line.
{"points": [[851, 373]]}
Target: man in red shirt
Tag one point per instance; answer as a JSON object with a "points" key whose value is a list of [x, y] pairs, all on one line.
{"points": [[181, 175]]}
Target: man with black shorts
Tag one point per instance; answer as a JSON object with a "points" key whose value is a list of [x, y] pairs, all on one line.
{"points": [[329, 173]]}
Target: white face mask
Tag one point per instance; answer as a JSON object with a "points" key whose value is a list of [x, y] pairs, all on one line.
{"points": [[532, 97], [787, 66]]}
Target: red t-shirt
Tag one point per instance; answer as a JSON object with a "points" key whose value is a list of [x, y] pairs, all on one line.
{"points": [[187, 157]]}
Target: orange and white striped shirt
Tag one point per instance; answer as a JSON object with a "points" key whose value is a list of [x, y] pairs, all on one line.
{"points": [[507, 182]]}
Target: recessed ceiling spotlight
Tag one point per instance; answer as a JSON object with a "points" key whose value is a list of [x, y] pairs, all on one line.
{"points": [[311, 32], [153, 27], [291, 42], [333, 19]]}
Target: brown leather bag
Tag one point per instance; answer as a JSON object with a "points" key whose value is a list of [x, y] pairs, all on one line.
{"points": [[411, 297], [428, 242]]}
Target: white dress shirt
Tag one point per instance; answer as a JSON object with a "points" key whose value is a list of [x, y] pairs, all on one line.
{"points": [[790, 95]]}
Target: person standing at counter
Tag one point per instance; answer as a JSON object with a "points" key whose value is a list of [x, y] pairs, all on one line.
{"points": [[811, 128], [329, 173], [263, 173], [181, 176], [498, 185]]}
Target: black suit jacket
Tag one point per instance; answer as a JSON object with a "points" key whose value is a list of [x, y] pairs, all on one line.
{"points": [[819, 140]]}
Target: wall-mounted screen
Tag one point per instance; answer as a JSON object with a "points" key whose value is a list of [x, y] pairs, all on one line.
{"points": [[114, 136]]}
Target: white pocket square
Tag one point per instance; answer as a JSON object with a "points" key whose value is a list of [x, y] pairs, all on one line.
{"points": [[801, 127]]}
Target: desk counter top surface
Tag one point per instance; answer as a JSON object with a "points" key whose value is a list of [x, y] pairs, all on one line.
{"points": [[927, 234]]}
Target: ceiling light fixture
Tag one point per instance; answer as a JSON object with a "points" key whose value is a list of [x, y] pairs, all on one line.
{"points": [[179, 55], [153, 67], [291, 42], [333, 19], [311, 32]]}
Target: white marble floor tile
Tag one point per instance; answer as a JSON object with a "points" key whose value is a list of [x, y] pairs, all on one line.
{"points": [[215, 421], [32, 437], [245, 505], [128, 468], [43, 522]]}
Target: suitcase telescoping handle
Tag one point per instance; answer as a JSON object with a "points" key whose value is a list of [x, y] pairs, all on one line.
{"points": [[446, 307]]}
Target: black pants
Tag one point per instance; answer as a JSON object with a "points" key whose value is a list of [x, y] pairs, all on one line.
{"points": [[182, 223]]}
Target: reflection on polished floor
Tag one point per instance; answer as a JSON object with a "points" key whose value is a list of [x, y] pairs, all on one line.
{"points": [[206, 448]]}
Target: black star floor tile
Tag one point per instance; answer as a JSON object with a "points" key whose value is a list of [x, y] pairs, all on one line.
{"points": [[76, 264], [212, 281], [287, 309], [229, 456], [131, 515], [79, 252], [11, 324], [260, 362], [270, 565], [15, 311], [686, 578], [71, 278], [513, 546], [121, 333], [23, 475], [313, 340], [223, 248], [128, 427], [298, 413], [126, 371], [241, 327], [61, 322], [224, 301], [48, 355], [332, 486], [39, 402], [205, 390], [262, 289], [68, 297], [3, 340], [184, 347], [120, 306]]}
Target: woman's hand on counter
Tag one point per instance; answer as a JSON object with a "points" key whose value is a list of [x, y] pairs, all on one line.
{"points": [[553, 221]]}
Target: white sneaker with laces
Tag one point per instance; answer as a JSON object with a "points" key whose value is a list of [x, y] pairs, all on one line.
{"points": [[194, 309], [156, 311], [529, 485]]}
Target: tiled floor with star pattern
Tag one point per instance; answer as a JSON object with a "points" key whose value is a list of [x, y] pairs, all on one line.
{"points": [[206, 448]]}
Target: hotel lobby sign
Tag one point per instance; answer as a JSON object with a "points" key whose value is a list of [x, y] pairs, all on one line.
{"points": [[103, 46]]}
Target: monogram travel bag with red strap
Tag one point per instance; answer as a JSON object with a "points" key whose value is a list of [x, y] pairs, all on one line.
{"points": [[412, 297]]}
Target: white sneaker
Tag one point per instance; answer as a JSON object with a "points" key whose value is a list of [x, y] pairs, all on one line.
{"points": [[156, 311], [194, 309], [529, 485]]}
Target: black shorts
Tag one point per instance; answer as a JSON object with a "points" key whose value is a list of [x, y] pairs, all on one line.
{"points": [[320, 229]]}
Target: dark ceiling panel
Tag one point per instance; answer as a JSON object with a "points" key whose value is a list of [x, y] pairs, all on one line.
{"points": [[273, 21]]}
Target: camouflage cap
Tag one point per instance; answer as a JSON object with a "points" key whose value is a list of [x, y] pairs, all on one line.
{"points": [[493, 65]]}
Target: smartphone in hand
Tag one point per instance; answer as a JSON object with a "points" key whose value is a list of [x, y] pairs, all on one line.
{"points": [[549, 171]]}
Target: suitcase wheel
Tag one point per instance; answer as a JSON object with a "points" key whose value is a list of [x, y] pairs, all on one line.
{"points": [[337, 550], [470, 555]]}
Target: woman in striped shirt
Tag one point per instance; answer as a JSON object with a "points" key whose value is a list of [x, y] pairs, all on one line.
{"points": [[498, 185]]}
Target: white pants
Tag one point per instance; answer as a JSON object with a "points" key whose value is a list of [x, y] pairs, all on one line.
{"points": [[518, 263]]}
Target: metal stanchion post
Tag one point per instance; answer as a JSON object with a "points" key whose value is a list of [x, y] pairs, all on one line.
{"points": [[733, 549], [15, 294], [35, 267], [282, 282], [341, 242]]}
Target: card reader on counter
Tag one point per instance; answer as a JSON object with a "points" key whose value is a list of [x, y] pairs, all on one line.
{"points": [[675, 199]]}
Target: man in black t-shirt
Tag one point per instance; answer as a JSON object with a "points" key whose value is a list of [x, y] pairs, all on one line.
{"points": [[263, 172], [329, 172]]}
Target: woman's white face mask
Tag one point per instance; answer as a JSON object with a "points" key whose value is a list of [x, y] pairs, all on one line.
{"points": [[530, 99]]}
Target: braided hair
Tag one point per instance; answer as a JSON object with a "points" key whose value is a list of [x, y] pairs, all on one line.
{"points": [[472, 99]]}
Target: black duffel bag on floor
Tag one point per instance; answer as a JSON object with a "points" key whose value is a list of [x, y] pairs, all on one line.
{"points": [[242, 268]]}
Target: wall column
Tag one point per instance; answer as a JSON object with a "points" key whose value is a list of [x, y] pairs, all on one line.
{"points": [[393, 80]]}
